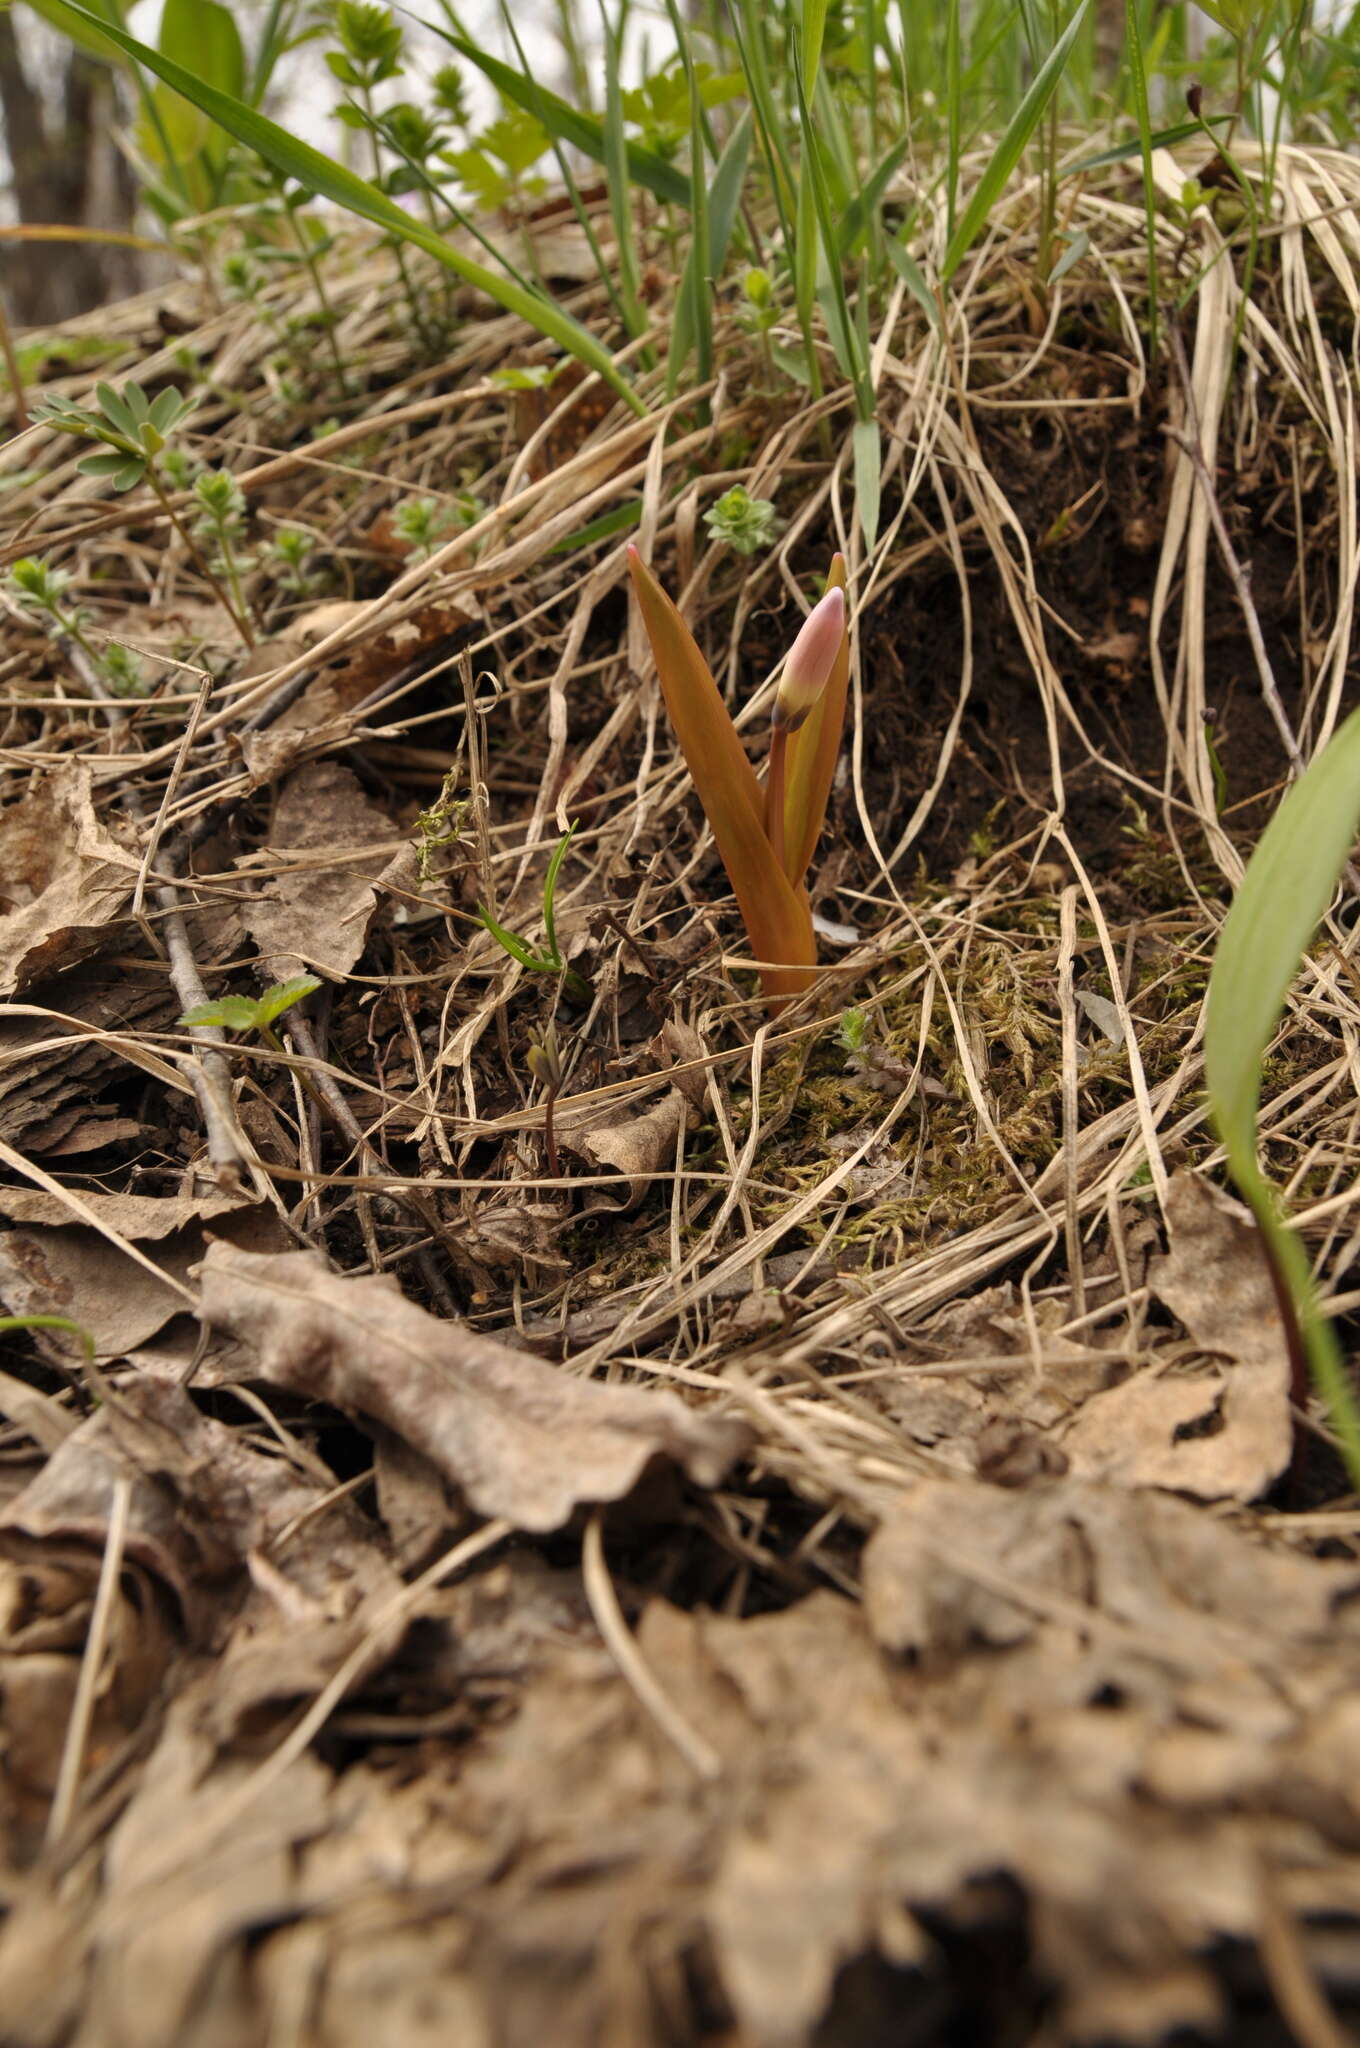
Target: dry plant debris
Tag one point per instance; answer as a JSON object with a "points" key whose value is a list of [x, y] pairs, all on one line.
{"points": [[834, 1562]]}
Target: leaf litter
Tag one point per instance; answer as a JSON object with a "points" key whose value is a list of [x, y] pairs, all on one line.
{"points": [[839, 1560]]}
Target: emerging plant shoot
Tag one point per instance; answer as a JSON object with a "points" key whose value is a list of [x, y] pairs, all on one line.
{"points": [[765, 837]]}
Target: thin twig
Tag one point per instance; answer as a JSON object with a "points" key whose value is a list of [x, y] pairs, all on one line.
{"points": [[82, 1706], [703, 1760]]}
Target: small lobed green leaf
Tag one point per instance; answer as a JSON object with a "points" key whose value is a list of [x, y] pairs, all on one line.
{"points": [[228, 1013], [282, 996]]}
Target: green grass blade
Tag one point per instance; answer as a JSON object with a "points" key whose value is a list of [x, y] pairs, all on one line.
{"points": [[1287, 886], [550, 890], [73, 1329], [297, 159], [1009, 150], [868, 478], [618, 180], [953, 86], [723, 199], [1138, 77], [814, 29], [854, 354], [913, 277], [860, 214], [1161, 138], [580, 130], [626, 309]]}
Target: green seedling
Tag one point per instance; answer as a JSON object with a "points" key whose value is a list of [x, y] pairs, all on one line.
{"points": [[545, 1064], [743, 523], [131, 429], [765, 837], [38, 588], [425, 523], [253, 1013], [1285, 891], [519, 949], [287, 556], [366, 199], [852, 1029], [133, 432], [221, 508]]}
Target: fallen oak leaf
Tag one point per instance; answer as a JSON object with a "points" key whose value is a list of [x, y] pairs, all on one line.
{"points": [[518, 1437]]}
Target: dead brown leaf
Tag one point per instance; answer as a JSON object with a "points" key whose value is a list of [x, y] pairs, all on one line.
{"points": [[519, 1438], [64, 877], [635, 1143], [316, 912]]}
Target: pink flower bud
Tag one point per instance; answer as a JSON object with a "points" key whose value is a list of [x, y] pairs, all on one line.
{"points": [[811, 659]]}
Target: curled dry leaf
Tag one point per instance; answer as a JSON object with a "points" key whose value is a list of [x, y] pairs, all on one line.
{"points": [[64, 877], [636, 1143], [519, 1438], [1224, 1433]]}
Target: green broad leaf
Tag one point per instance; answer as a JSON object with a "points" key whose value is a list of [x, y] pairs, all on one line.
{"points": [[130, 476], [1287, 886], [868, 478], [228, 1013], [203, 37], [283, 995], [297, 159], [116, 408], [572, 125], [110, 463], [1011, 147], [167, 411], [85, 32]]}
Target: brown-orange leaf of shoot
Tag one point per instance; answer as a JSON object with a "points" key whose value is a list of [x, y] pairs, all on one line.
{"points": [[775, 912]]}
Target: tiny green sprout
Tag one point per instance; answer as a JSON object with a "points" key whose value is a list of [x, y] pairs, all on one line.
{"points": [[241, 277], [422, 523], [370, 44], [179, 468], [450, 92], [745, 523], [852, 1029], [550, 962], [288, 555], [544, 1060], [524, 376], [122, 671], [247, 1013], [221, 508], [38, 588]]}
